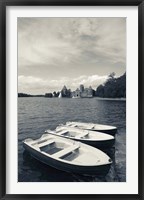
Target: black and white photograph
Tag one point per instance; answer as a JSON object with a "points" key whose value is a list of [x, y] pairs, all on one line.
{"points": [[71, 99]]}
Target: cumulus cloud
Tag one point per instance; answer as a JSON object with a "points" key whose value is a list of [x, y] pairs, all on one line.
{"points": [[36, 85]]}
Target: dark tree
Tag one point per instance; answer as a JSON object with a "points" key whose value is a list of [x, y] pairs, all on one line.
{"points": [[113, 87], [100, 91], [24, 95], [49, 95]]}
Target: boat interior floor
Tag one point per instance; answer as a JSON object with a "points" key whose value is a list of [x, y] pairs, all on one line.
{"points": [[59, 150]]}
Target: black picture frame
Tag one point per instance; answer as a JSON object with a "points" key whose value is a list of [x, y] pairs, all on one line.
{"points": [[3, 99]]}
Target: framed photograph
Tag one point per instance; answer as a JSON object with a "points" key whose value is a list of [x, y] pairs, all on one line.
{"points": [[71, 99]]}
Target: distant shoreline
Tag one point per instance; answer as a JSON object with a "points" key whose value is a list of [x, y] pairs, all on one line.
{"points": [[98, 98], [110, 99]]}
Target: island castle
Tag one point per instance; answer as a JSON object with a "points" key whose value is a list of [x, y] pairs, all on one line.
{"points": [[80, 92]]}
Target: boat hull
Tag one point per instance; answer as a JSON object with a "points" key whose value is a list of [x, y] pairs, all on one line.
{"points": [[111, 130], [108, 131], [77, 169], [98, 144]]}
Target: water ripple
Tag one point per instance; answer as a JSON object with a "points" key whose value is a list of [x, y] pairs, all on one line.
{"points": [[35, 115]]}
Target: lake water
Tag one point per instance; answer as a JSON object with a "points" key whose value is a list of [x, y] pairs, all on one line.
{"points": [[36, 114]]}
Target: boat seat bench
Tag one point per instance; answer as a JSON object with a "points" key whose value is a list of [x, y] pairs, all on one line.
{"points": [[83, 134], [60, 132], [66, 151], [44, 143]]}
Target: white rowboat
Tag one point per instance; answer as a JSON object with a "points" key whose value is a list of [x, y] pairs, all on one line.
{"points": [[94, 127], [68, 155], [96, 139]]}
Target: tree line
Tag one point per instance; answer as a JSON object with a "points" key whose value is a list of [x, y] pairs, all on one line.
{"points": [[113, 87]]}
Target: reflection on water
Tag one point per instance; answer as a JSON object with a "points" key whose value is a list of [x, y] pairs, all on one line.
{"points": [[38, 114]]}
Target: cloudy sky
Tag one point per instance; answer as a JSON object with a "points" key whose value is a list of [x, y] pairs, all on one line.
{"points": [[53, 52]]}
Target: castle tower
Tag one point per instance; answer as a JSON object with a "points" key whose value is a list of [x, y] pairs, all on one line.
{"points": [[81, 88]]}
